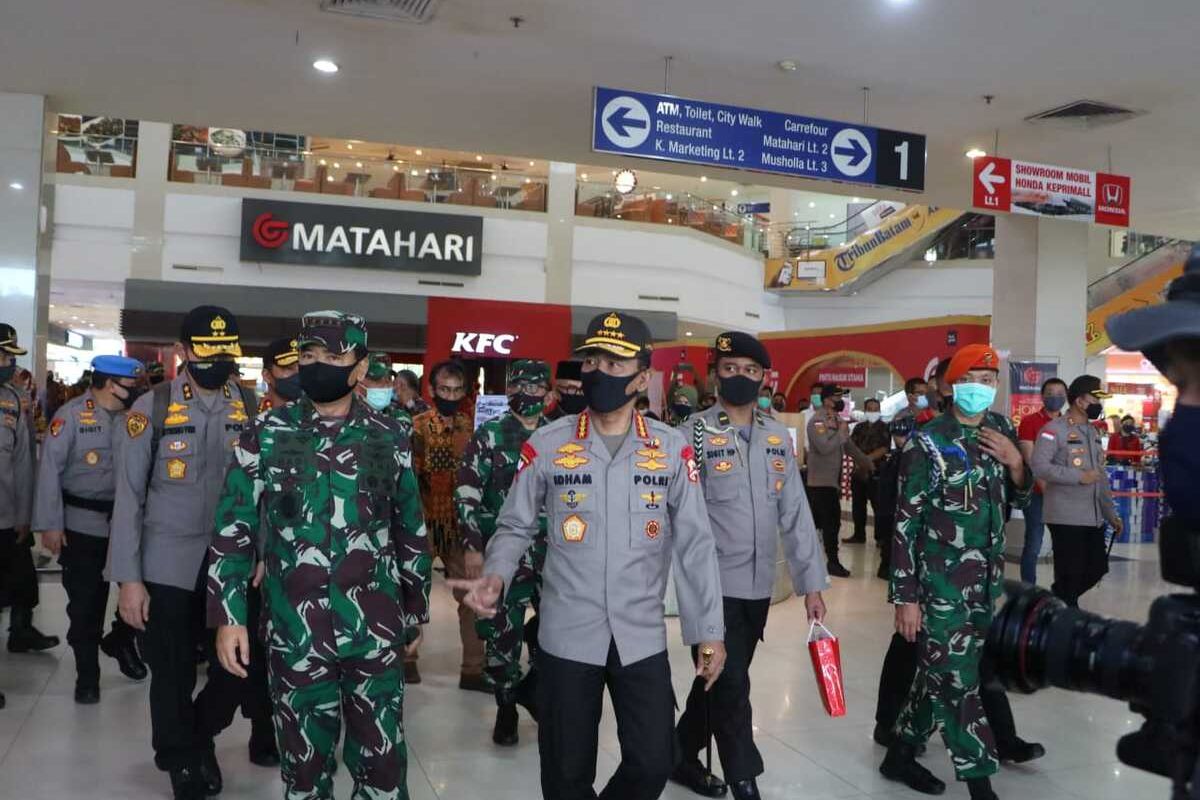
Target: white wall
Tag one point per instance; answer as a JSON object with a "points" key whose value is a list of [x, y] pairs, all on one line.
{"points": [[949, 288]]}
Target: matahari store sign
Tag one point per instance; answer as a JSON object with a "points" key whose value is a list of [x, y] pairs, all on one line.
{"points": [[1045, 190]]}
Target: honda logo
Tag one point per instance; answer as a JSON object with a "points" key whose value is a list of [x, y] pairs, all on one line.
{"points": [[479, 343], [1114, 194]]}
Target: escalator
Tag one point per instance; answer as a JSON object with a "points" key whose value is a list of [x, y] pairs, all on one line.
{"points": [[846, 256], [1139, 283]]}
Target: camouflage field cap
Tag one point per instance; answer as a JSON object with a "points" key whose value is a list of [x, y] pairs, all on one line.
{"points": [[529, 370], [337, 331], [379, 366], [685, 395]]}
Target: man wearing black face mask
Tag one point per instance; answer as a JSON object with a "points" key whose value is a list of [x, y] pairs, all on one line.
{"points": [[177, 440], [745, 458], [568, 390], [281, 373], [75, 488], [1077, 501], [622, 501], [1054, 401], [828, 439]]}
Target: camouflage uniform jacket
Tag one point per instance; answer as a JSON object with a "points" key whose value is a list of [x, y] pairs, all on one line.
{"points": [[485, 475], [949, 541], [346, 547]]}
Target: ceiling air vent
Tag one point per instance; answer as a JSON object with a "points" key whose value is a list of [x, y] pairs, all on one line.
{"points": [[1084, 114], [419, 11]]}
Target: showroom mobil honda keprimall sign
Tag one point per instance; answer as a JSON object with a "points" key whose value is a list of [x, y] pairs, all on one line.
{"points": [[1045, 190], [669, 128], [354, 236]]}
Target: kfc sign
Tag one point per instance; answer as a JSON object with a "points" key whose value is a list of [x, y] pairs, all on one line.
{"points": [[483, 343]]}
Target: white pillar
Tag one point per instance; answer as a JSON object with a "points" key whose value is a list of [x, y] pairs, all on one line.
{"points": [[150, 200], [21, 304], [560, 232]]}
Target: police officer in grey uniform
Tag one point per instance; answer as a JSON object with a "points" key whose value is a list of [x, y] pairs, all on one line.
{"points": [[18, 578], [828, 437], [622, 498], [1077, 501], [75, 488], [754, 495], [176, 444]]}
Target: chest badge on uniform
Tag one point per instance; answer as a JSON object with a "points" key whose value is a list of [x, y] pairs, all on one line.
{"points": [[571, 461], [774, 440], [176, 414], [87, 418], [136, 424], [653, 528], [723, 466], [177, 446], [573, 528], [652, 453], [571, 499], [652, 463], [176, 469], [819, 427], [56, 426], [779, 484], [718, 441], [651, 499], [779, 465], [1077, 461], [570, 449], [238, 415], [91, 458]]}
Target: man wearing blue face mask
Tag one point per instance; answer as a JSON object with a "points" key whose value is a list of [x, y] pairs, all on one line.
{"points": [[916, 392], [377, 389]]}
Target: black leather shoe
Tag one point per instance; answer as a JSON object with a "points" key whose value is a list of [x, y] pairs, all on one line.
{"points": [[87, 695], [745, 790], [124, 651], [901, 765], [1019, 751], [836, 570], [23, 637], [505, 731], [262, 748], [981, 789], [475, 683], [856, 540], [186, 784], [210, 774], [694, 776], [411, 673], [526, 694]]}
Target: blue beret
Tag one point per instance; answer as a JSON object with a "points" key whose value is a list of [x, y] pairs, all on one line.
{"points": [[118, 366]]}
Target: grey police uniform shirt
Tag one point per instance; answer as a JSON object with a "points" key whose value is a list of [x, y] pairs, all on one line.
{"points": [[77, 458], [615, 524], [1062, 452], [16, 460], [754, 496], [826, 446], [166, 501]]}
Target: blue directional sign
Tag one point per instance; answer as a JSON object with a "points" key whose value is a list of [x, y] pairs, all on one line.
{"points": [[671, 128]]}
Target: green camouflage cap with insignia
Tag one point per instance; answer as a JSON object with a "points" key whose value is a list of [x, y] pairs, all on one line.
{"points": [[529, 370], [337, 331], [379, 366], [685, 394]]}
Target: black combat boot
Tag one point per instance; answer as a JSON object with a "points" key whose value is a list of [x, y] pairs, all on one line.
{"points": [[981, 789], [87, 694], [526, 694], [211, 780], [901, 765], [262, 747], [505, 732], [745, 790], [23, 637], [186, 784], [836, 570], [123, 650], [694, 776], [1019, 751]]}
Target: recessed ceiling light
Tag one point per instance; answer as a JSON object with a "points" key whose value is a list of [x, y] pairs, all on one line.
{"points": [[349, 147], [16, 185], [670, 197], [581, 177], [420, 153], [855, 200], [704, 179], [529, 180], [531, 163], [479, 158], [733, 192], [687, 333], [325, 65], [395, 169], [614, 172], [657, 188], [833, 216], [975, 152], [787, 65], [494, 176], [415, 173], [812, 204], [322, 162], [336, 165], [358, 165]]}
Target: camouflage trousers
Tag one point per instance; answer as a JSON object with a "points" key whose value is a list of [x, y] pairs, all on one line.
{"points": [[312, 695], [945, 693], [504, 633]]}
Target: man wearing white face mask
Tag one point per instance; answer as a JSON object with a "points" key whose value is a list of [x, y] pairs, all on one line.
{"points": [[871, 436]]}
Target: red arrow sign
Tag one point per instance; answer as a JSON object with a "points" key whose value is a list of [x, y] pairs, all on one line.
{"points": [[992, 183]]}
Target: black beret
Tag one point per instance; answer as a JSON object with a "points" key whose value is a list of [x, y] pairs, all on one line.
{"points": [[735, 344]]}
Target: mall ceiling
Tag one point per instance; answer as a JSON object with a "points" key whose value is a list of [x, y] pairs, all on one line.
{"points": [[470, 80]]}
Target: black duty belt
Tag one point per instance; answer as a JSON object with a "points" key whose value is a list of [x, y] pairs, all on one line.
{"points": [[102, 506]]}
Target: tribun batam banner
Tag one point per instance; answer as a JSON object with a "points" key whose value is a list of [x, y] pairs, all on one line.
{"points": [[1046, 190], [369, 238]]}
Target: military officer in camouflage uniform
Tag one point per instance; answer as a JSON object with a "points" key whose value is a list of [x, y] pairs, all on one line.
{"points": [[348, 568], [754, 498], [75, 488], [377, 389], [484, 477], [622, 501], [956, 475]]}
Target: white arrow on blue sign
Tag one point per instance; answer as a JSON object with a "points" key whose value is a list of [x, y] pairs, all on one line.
{"points": [[626, 122], [851, 152]]}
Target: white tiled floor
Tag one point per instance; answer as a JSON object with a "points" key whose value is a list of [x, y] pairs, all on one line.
{"points": [[51, 749]]}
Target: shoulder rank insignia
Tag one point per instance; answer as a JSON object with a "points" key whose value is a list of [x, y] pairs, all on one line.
{"points": [[571, 461], [187, 391], [573, 528], [56, 426], [228, 394], [136, 424], [723, 466]]}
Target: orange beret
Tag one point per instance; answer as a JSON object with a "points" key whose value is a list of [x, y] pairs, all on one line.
{"points": [[969, 357]]}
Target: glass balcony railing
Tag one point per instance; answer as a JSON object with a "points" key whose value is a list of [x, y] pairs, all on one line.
{"points": [[594, 199], [263, 166]]}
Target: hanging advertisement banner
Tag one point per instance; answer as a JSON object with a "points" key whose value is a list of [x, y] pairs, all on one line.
{"points": [[1025, 379], [1046, 190]]}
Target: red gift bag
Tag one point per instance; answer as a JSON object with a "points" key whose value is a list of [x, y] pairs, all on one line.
{"points": [[827, 666]]}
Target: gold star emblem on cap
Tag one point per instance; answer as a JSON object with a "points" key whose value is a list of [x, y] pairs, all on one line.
{"points": [[723, 344], [612, 321]]}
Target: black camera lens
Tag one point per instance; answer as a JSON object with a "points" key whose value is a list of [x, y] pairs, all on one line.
{"points": [[1037, 641]]}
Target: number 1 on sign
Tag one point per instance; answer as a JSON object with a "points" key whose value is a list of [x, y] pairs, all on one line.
{"points": [[902, 151]]}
